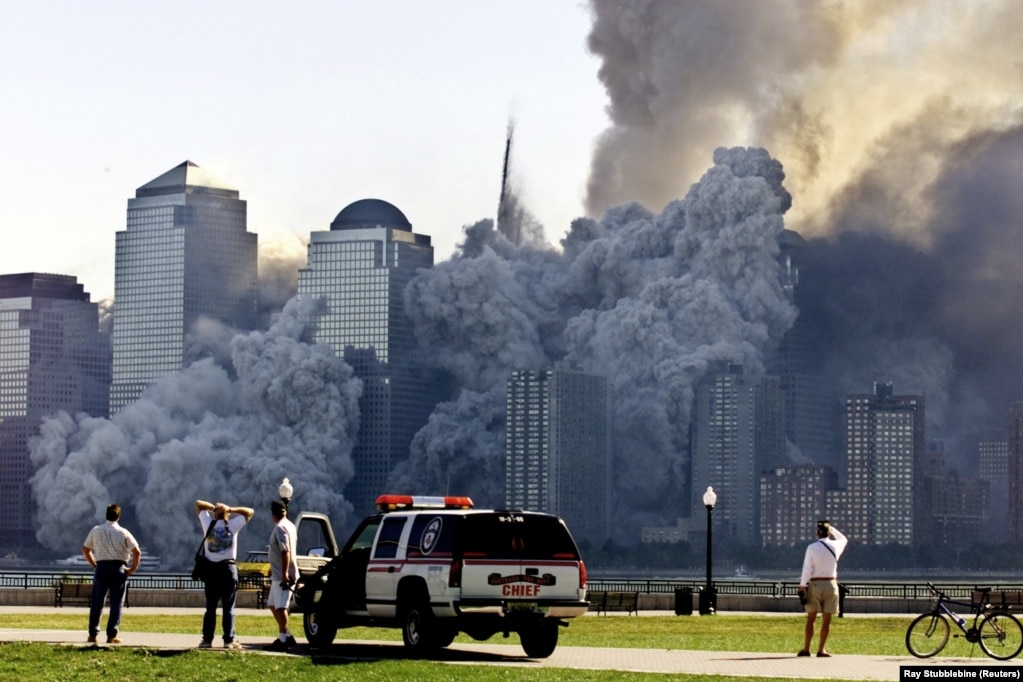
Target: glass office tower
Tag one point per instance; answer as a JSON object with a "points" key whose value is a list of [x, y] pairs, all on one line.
{"points": [[52, 357], [358, 270], [185, 254]]}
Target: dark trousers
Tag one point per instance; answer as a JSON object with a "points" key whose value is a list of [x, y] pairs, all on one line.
{"points": [[221, 587], [109, 577]]}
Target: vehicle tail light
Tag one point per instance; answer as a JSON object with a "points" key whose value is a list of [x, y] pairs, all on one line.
{"points": [[582, 575], [455, 574]]}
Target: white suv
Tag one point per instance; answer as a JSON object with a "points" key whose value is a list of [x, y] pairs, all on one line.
{"points": [[433, 566]]}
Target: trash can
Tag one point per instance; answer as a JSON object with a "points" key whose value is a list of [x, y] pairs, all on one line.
{"points": [[708, 601], [683, 601]]}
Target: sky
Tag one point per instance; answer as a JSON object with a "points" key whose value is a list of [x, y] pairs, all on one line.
{"points": [[302, 111]]}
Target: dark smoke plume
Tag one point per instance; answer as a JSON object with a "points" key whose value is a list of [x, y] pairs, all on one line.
{"points": [[227, 428], [834, 90], [899, 127], [651, 301], [514, 222]]}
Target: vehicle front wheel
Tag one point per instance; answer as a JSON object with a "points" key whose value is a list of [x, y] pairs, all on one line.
{"points": [[540, 639], [319, 631]]}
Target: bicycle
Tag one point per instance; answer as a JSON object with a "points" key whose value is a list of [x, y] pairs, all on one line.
{"points": [[999, 633]]}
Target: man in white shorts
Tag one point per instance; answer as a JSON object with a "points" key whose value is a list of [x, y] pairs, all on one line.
{"points": [[283, 573]]}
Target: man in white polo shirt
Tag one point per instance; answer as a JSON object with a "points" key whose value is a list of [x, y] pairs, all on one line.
{"points": [[818, 584], [108, 548]]}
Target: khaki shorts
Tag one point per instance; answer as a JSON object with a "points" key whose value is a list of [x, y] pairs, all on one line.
{"points": [[822, 596], [279, 597]]}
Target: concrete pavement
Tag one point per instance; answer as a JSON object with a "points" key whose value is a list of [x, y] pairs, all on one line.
{"points": [[739, 664]]}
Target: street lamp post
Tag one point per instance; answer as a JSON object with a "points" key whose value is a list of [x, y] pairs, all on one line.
{"points": [[285, 490], [708, 598]]}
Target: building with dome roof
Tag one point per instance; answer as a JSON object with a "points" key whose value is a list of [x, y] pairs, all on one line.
{"points": [[359, 270]]}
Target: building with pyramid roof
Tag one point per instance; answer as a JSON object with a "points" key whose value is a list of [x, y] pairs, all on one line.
{"points": [[184, 255]]}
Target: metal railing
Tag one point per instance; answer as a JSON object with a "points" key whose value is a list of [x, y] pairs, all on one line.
{"points": [[139, 581], [769, 588], [915, 590]]}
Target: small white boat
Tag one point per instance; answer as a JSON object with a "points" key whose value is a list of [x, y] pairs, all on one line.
{"points": [[742, 574], [148, 562]]}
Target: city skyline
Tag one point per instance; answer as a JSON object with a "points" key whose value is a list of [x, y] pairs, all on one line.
{"points": [[919, 283]]}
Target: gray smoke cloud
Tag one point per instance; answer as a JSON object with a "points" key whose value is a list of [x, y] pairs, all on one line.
{"points": [[651, 301], [835, 91], [899, 127], [227, 428], [940, 321], [281, 256]]}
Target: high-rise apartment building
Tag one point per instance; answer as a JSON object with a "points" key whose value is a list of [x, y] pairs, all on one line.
{"points": [[993, 453], [185, 254], [738, 432], [359, 270], [884, 455], [52, 357], [557, 448], [792, 500]]}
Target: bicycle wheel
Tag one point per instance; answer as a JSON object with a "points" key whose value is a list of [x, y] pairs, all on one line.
{"points": [[1001, 635], [927, 635]]}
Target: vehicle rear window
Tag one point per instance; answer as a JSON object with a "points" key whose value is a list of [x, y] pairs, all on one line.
{"points": [[514, 535]]}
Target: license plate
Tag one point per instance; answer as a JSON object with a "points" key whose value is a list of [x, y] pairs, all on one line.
{"points": [[522, 606]]}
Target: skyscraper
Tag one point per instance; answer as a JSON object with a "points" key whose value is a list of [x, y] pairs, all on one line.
{"points": [[884, 437], [738, 432], [557, 448], [52, 357], [359, 270], [185, 254]]}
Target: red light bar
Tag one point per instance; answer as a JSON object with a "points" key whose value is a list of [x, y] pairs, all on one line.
{"points": [[387, 503]]}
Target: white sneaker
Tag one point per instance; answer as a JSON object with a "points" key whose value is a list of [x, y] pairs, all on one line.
{"points": [[234, 644]]}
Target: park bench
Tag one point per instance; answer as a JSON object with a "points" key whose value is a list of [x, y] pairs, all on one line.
{"points": [[602, 602], [70, 593], [1004, 599]]}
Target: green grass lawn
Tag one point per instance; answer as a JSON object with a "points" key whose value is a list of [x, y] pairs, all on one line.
{"points": [[723, 632]]}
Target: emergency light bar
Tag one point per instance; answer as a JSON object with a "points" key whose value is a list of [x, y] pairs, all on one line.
{"points": [[386, 503]]}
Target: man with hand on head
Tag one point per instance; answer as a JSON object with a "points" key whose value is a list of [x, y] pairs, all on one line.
{"points": [[220, 525], [818, 583]]}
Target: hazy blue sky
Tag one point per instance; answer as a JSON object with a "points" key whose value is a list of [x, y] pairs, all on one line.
{"points": [[303, 108]]}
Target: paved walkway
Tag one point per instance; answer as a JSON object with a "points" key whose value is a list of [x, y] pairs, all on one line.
{"points": [[739, 664]]}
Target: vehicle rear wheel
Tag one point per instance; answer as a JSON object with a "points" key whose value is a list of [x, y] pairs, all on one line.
{"points": [[419, 630], [319, 631], [539, 640]]}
